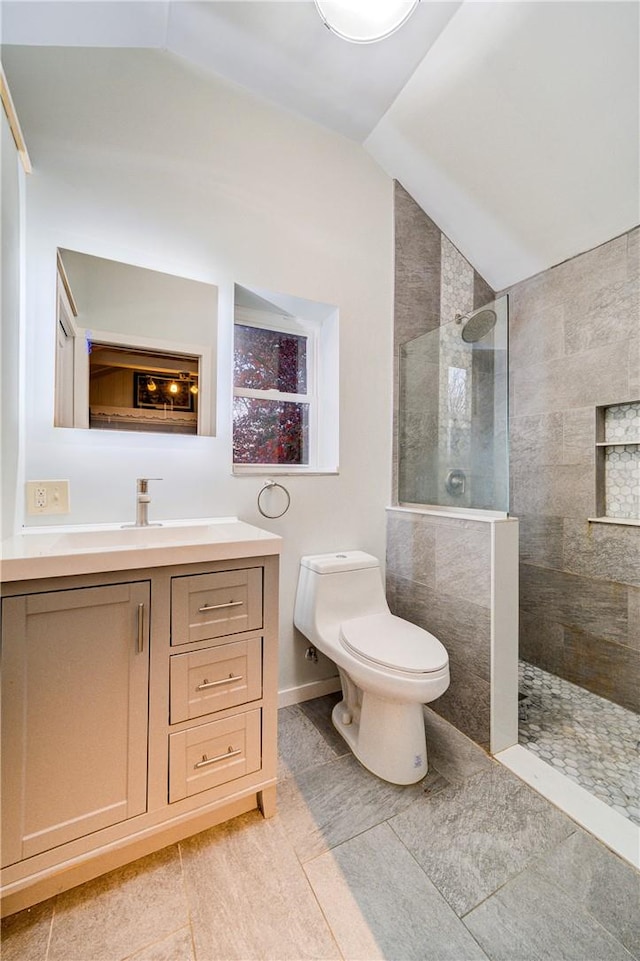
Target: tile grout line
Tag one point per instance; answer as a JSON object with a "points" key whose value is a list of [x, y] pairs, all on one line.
{"points": [[532, 867], [321, 909], [187, 901], [301, 865], [50, 935], [152, 944], [529, 866], [432, 881]]}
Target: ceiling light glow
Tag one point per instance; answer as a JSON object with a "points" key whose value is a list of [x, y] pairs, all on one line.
{"points": [[365, 21]]}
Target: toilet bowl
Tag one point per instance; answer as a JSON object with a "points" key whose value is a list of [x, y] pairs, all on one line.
{"points": [[388, 667]]}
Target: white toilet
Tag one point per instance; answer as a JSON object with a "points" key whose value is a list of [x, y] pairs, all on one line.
{"points": [[388, 667]]}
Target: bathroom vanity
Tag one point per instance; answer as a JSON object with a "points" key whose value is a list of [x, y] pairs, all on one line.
{"points": [[139, 694]]}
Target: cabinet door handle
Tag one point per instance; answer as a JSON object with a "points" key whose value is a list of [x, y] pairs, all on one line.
{"points": [[212, 760], [225, 680], [216, 607], [140, 628]]}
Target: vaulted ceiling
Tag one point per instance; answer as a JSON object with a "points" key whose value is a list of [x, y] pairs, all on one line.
{"points": [[515, 125]]}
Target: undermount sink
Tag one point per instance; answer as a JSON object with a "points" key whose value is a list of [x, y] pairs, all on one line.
{"points": [[53, 551], [123, 537]]}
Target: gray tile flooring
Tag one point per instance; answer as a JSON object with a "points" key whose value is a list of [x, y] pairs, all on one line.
{"points": [[591, 740], [469, 864]]}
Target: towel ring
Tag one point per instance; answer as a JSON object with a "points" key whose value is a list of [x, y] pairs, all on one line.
{"points": [[268, 485]]}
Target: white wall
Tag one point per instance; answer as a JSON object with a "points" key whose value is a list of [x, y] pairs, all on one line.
{"points": [[11, 207], [128, 300], [139, 158], [518, 133]]}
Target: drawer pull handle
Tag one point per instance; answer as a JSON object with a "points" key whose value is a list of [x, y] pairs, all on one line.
{"points": [[220, 757], [216, 607], [225, 680], [140, 647]]}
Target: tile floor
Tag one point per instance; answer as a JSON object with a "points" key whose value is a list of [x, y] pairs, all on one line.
{"points": [[471, 863], [589, 739]]}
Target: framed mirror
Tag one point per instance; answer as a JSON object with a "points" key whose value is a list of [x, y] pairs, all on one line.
{"points": [[135, 348]]}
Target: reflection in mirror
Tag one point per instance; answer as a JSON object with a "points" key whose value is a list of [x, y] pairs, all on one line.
{"points": [[137, 390], [135, 348]]}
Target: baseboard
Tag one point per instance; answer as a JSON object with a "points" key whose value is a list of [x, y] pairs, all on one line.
{"points": [[305, 692]]}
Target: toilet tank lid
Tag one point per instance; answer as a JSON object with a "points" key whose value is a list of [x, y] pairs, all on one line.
{"points": [[339, 562]]}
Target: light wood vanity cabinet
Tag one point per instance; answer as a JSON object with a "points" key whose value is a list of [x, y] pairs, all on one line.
{"points": [[75, 698], [138, 707]]}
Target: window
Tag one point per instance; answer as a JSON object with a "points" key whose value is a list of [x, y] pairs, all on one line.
{"points": [[286, 408], [274, 404]]}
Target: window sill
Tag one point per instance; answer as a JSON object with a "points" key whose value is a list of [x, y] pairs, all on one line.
{"points": [[624, 521], [275, 471]]}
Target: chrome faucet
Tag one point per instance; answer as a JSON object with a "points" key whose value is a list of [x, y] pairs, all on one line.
{"points": [[142, 502]]}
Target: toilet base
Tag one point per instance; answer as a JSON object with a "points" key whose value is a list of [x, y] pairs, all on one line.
{"points": [[388, 739]]}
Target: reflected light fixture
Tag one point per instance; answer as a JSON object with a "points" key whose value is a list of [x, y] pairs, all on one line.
{"points": [[173, 387], [189, 380], [365, 21], [151, 384]]}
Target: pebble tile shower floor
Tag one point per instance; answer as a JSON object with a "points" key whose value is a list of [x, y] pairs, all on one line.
{"points": [[589, 739]]}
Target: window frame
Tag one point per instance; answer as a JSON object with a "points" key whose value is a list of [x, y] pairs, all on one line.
{"points": [[297, 326]]}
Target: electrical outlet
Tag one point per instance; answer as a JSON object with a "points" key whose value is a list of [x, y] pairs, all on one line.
{"points": [[48, 497]]}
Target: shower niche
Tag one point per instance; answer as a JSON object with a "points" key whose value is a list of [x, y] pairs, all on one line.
{"points": [[618, 462], [453, 413]]}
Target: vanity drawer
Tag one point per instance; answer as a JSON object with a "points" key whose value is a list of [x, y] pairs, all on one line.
{"points": [[212, 754], [205, 606], [219, 677]]}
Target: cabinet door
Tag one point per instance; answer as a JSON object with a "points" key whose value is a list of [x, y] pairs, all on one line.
{"points": [[75, 672]]}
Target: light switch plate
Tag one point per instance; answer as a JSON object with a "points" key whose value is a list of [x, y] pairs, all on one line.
{"points": [[48, 497]]}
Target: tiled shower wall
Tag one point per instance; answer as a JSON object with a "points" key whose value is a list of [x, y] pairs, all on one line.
{"points": [[575, 345], [438, 569], [439, 577]]}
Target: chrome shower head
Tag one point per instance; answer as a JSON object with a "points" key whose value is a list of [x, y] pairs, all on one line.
{"points": [[477, 325]]}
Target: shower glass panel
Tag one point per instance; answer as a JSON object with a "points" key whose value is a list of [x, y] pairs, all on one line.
{"points": [[453, 413]]}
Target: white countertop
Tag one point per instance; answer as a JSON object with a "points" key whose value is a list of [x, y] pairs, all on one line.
{"points": [[88, 549]]}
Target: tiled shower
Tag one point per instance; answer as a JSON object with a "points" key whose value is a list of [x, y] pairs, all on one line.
{"points": [[574, 368]]}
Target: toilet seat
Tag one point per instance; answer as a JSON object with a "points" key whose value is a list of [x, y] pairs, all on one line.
{"points": [[393, 643]]}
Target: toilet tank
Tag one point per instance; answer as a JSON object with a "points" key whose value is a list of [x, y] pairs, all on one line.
{"points": [[334, 587]]}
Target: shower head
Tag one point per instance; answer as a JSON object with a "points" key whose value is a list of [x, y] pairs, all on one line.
{"points": [[477, 325]]}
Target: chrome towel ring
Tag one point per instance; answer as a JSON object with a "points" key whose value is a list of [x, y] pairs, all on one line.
{"points": [[269, 485]]}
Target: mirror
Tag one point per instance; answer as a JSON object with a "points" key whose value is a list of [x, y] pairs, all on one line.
{"points": [[135, 348]]}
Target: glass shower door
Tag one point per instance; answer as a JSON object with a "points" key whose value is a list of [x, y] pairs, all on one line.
{"points": [[453, 413]]}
